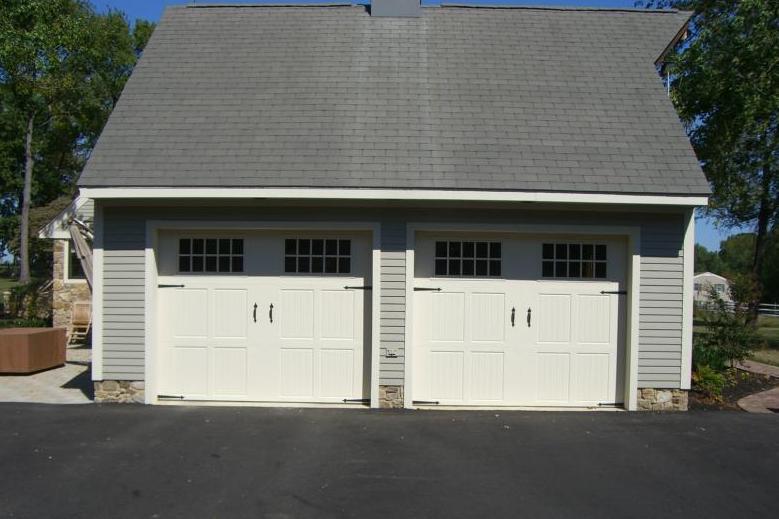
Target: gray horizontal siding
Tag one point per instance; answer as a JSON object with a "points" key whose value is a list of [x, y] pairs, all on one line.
{"points": [[393, 303], [661, 280], [660, 306], [123, 296]]}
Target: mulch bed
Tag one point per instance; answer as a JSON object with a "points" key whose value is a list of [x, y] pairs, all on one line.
{"points": [[740, 384]]}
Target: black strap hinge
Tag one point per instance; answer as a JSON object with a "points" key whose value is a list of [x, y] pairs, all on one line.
{"points": [[426, 289], [618, 292], [366, 287], [170, 286]]}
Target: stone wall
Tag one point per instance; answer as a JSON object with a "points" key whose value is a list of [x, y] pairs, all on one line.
{"points": [[662, 399], [64, 294], [119, 391], [391, 397]]}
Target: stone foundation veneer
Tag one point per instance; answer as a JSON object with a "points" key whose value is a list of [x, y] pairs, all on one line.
{"points": [[391, 397], [63, 294], [650, 399], [119, 391]]}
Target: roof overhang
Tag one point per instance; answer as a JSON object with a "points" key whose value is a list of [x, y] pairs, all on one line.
{"points": [[57, 229], [135, 193]]}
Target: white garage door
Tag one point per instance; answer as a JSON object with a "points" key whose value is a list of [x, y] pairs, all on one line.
{"points": [[267, 317], [516, 321]]}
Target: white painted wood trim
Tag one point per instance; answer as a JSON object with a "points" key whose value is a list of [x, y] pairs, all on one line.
{"points": [[66, 268], [376, 316], [687, 299], [391, 194], [150, 364], [408, 338], [97, 296], [153, 227], [632, 320], [633, 233], [57, 228]]}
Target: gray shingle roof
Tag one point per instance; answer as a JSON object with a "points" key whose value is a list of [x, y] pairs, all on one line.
{"points": [[460, 98]]}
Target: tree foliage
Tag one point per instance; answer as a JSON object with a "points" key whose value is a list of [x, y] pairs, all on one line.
{"points": [[62, 67], [725, 85]]}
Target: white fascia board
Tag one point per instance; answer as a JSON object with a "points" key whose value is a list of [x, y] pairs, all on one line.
{"points": [[390, 194], [57, 229]]}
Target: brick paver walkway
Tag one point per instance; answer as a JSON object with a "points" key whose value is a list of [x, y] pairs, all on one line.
{"points": [[765, 401], [69, 384]]}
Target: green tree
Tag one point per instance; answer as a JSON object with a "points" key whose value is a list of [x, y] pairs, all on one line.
{"points": [[62, 69], [706, 260], [725, 85]]}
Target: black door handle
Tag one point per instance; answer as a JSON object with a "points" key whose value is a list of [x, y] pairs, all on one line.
{"points": [[513, 311], [254, 314], [528, 317], [270, 312]]}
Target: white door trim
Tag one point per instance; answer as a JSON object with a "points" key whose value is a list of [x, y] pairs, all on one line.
{"points": [[151, 362], [633, 234]]}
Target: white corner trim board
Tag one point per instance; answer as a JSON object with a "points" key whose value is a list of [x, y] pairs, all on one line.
{"points": [[389, 194], [97, 297], [687, 299]]}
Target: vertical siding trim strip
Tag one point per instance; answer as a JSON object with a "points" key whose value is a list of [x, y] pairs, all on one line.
{"points": [[408, 374], [376, 315], [687, 296], [632, 346], [97, 295]]}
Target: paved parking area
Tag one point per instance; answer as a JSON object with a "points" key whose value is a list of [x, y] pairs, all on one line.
{"points": [[169, 462], [69, 384]]}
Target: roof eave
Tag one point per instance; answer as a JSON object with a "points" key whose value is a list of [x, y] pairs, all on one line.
{"points": [[691, 200]]}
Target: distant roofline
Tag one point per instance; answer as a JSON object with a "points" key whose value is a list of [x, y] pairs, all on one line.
{"points": [[707, 273], [459, 5]]}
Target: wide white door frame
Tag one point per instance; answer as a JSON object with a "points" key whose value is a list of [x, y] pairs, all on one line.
{"points": [[153, 227], [633, 279]]}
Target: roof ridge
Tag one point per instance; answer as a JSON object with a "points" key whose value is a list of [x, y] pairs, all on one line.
{"points": [[443, 4], [556, 8]]}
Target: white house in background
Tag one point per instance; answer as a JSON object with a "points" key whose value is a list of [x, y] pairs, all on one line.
{"points": [[704, 282], [403, 206]]}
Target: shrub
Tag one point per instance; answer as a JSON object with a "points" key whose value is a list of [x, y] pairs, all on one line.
{"points": [[729, 335], [30, 301], [709, 381], [23, 323]]}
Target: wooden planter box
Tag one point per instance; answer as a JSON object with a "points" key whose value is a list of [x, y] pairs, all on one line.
{"points": [[26, 350]]}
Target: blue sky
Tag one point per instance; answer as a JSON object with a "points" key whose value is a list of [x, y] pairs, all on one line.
{"points": [[706, 231]]}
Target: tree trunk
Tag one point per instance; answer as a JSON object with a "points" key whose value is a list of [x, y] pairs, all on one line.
{"points": [[761, 235], [24, 249]]}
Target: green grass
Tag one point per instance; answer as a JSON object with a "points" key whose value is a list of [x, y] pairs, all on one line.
{"points": [[767, 356], [6, 283], [768, 329]]}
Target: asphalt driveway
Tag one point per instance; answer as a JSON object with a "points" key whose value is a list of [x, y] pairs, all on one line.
{"points": [[135, 461]]}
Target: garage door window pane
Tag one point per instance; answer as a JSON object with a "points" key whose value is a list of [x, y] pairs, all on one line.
{"points": [[317, 264], [290, 247], [440, 267], [224, 247], [468, 258], [317, 256], [574, 260], [210, 255]]}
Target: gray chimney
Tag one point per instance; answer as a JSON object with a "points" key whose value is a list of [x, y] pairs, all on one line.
{"points": [[396, 8]]}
